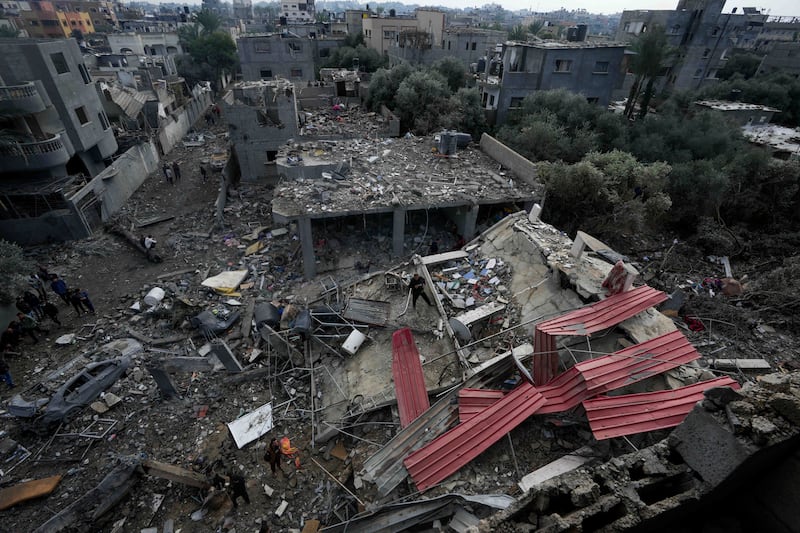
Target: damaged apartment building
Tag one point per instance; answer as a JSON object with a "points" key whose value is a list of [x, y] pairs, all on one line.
{"points": [[79, 142], [59, 138]]}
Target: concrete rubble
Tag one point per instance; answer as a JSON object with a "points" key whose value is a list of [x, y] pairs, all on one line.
{"points": [[175, 440]]}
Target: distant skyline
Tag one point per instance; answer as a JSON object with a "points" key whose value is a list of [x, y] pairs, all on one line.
{"points": [[772, 7]]}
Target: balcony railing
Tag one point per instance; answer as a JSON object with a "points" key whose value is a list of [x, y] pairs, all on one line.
{"points": [[34, 155], [21, 99]]}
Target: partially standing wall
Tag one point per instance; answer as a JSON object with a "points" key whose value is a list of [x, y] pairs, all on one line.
{"points": [[180, 122]]}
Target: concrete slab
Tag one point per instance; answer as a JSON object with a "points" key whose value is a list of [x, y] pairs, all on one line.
{"points": [[556, 468], [708, 448]]}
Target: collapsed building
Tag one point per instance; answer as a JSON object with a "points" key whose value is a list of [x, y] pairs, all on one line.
{"points": [[535, 386]]}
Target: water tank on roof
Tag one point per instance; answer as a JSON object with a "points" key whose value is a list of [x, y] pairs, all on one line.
{"points": [[572, 34], [583, 30], [481, 68], [448, 140]]}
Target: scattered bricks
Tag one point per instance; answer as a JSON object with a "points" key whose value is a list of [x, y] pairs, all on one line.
{"points": [[269, 491], [281, 508]]}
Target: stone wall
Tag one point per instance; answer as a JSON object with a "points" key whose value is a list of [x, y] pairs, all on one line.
{"points": [[181, 121]]}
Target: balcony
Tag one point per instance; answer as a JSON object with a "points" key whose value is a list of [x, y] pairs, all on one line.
{"points": [[21, 99], [40, 155]]}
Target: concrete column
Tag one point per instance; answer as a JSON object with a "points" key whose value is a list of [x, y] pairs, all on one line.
{"points": [[470, 220], [399, 233], [307, 243]]}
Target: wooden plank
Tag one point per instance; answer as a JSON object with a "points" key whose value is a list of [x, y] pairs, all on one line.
{"points": [[247, 321], [175, 473], [28, 490], [311, 526]]}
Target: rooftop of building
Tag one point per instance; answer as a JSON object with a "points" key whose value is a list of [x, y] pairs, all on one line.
{"points": [[379, 175], [726, 105], [566, 45], [779, 138]]}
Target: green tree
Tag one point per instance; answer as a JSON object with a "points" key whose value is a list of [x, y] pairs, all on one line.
{"points": [[384, 84], [453, 71], [208, 21], [8, 31], [421, 101], [465, 113], [536, 27], [608, 194], [518, 33], [650, 50], [369, 60], [743, 65], [209, 55], [13, 271]]}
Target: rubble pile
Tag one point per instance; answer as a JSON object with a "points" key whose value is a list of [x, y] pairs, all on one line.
{"points": [[365, 174], [730, 435]]}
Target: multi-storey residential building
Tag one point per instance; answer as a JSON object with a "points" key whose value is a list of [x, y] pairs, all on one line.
{"points": [[592, 69], [297, 12], [158, 48], [268, 57], [55, 132], [44, 19], [701, 36], [469, 45], [243, 9], [383, 32]]}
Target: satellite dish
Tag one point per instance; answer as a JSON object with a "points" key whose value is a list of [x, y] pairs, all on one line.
{"points": [[461, 331]]}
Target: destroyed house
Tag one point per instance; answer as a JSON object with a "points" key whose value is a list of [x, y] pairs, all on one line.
{"points": [[59, 137]]}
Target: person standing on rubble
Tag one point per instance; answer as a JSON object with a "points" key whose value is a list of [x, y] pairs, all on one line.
{"points": [[5, 373], [417, 286], [169, 174], [29, 325], [51, 311], [176, 170], [149, 243], [59, 286], [75, 300], [273, 455], [203, 173], [83, 296]]}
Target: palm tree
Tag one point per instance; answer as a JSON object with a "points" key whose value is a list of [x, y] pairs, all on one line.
{"points": [[535, 27], [650, 50], [518, 33], [208, 21]]}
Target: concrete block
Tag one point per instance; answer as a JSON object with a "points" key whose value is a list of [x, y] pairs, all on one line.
{"points": [[163, 381], [708, 448], [281, 508]]}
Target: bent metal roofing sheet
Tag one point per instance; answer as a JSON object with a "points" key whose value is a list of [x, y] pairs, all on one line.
{"points": [[409, 381], [446, 454], [585, 321], [617, 416]]}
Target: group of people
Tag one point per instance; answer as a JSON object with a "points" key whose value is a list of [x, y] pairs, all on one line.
{"points": [[33, 308], [172, 173]]}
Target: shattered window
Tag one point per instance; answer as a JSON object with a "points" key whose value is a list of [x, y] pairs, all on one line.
{"points": [[59, 62], [563, 65]]}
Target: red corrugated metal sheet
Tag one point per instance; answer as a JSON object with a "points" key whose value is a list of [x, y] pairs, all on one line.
{"points": [[409, 381], [473, 401], [617, 416], [446, 454], [610, 372], [585, 321]]}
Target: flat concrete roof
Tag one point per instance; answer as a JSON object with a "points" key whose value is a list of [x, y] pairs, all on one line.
{"points": [[725, 105], [385, 174], [778, 138], [566, 45]]}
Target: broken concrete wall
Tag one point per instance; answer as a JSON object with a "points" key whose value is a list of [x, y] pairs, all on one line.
{"points": [[733, 461], [118, 182], [254, 141], [393, 129], [181, 121], [309, 97], [507, 157], [54, 226]]}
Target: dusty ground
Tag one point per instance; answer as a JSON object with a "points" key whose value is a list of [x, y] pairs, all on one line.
{"points": [[179, 432]]}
